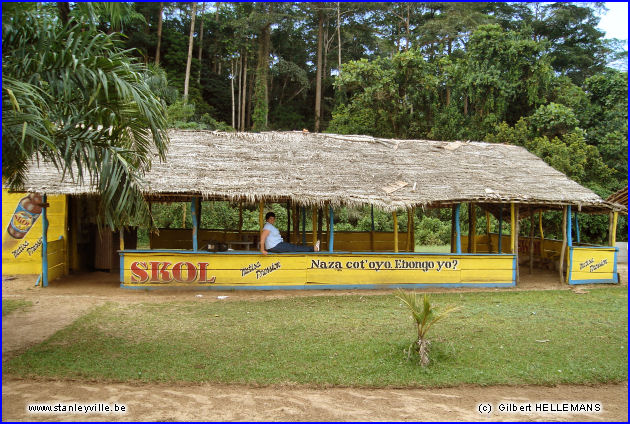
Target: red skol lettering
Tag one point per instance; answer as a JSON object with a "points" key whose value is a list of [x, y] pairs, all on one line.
{"points": [[191, 272], [160, 273], [139, 272]]}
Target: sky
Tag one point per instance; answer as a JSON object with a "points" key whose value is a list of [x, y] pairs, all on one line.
{"points": [[615, 21]]}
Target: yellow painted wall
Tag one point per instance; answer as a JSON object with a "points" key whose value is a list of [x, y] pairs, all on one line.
{"points": [[23, 256], [56, 259], [592, 264], [142, 269]]}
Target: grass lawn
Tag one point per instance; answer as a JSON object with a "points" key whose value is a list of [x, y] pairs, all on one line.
{"points": [[10, 305], [433, 248], [535, 337]]}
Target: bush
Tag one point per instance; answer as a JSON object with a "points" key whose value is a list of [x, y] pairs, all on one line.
{"points": [[432, 231]]}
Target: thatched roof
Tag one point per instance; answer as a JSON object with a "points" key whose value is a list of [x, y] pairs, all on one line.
{"points": [[317, 169], [620, 198]]}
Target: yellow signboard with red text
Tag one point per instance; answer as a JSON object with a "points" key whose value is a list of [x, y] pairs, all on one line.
{"points": [[164, 269], [22, 230]]}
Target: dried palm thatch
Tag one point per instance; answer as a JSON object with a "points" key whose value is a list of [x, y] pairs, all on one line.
{"points": [[620, 198], [321, 169]]}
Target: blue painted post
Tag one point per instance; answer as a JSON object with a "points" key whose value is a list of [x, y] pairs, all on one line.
{"points": [[195, 234], [500, 229], [577, 228], [303, 225], [458, 229], [569, 235], [331, 231], [44, 243]]}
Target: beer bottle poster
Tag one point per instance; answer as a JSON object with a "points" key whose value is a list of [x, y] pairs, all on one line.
{"points": [[22, 229]]}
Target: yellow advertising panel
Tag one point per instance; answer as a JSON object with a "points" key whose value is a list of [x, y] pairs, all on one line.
{"points": [[22, 230], [592, 265], [155, 269]]}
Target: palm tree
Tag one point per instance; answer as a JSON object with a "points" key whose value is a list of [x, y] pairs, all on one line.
{"points": [[71, 96], [424, 316]]}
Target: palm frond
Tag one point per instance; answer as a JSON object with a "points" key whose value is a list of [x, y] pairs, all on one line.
{"points": [[73, 97]]}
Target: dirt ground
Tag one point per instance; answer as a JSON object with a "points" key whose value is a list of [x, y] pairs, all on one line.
{"points": [[67, 299]]}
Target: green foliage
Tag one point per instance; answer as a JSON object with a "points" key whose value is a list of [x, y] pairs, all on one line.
{"points": [[73, 97], [553, 120], [422, 312], [180, 111], [432, 231]]}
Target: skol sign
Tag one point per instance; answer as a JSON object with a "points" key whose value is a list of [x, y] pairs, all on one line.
{"points": [[167, 272]]}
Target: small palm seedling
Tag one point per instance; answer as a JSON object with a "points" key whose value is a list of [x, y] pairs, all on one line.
{"points": [[425, 316]]}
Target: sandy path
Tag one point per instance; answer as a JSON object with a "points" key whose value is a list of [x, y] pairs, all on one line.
{"points": [[210, 402], [65, 300]]}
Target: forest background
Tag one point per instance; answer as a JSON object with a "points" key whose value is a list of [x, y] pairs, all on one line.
{"points": [[537, 75]]}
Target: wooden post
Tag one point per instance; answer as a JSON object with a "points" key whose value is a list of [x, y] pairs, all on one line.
{"points": [[610, 221], [472, 228], [512, 227], [569, 229], [303, 225], [289, 221], [195, 228], [240, 217], [515, 228], [542, 235], [488, 232], [331, 230], [413, 229], [458, 238], [531, 240], [577, 227], [314, 225], [44, 242], [614, 229], [296, 223], [564, 242], [328, 228], [453, 247], [408, 241], [261, 218], [569, 241], [395, 232], [500, 248], [372, 235], [320, 222]]}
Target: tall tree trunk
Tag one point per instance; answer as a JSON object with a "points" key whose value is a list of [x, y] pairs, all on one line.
{"points": [[244, 91], [190, 50], [203, 9], [318, 86], [64, 12], [233, 74], [159, 35], [215, 67], [250, 94], [261, 91], [240, 91], [339, 37]]}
